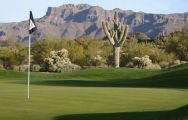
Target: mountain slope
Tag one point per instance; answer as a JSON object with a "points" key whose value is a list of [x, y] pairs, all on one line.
{"points": [[71, 21]]}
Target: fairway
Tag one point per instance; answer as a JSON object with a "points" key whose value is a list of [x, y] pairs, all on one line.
{"points": [[96, 94]]}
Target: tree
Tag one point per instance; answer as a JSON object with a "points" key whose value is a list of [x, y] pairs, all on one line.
{"points": [[116, 36], [141, 37], [40, 50], [176, 43], [89, 48], [13, 55]]}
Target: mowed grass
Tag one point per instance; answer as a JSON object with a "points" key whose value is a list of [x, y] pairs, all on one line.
{"points": [[96, 94]]}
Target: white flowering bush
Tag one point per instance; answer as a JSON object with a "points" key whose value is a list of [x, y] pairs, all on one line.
{"points": [[144, 63], [58, 62]]}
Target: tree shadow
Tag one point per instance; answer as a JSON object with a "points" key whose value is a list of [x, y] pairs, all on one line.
{"points": [[177, 114], [169, 79]]}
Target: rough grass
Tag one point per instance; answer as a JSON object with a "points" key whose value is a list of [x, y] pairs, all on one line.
{"points": [[96, 94]]}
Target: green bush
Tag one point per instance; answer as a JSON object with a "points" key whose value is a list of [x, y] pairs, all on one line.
{"points": [[40, 50], [157, 55], [13, 55], [176, 43], [81, 50]]}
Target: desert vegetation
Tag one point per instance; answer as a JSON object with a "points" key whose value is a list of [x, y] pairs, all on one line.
{"points": [[116, 37], [89, 52]]}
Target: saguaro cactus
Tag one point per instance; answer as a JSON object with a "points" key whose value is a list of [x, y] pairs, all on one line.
{"points": [[116, 36]]}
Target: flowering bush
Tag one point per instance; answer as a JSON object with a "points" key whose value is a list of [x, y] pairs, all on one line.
{"points": [[144, 62], [58, 61]]}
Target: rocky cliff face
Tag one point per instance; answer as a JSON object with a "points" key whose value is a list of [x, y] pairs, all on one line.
{"points": [[71, 21]]}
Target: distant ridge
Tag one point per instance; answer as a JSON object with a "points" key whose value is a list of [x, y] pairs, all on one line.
{"points": [[71, 21]]}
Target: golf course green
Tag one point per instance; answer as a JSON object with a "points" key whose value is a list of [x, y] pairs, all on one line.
{"points": [[96, 94]]}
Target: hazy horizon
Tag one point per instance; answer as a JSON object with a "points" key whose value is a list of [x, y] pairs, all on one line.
{"points": [[14, 11]]}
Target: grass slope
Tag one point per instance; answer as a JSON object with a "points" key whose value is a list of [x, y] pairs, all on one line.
{"points": [[96, 94]]}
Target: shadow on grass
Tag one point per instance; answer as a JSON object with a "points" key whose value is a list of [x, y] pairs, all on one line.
{"points": [[169, 79], [177, 114]]}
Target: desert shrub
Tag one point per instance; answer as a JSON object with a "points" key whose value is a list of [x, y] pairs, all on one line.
{"points": [[13, 55], [81, 50], [164, 64], [89, 48], [69, 68], [161, 56], [183, 62], [40, 49], [77, 54], [176, 62], [154, 66], [176, 43], [130, 64], [97, 61], [131, 50], [35, 68], [21, 68], [1, 67], [56, 61], [16, 68], [144, 63], [110, 60], [106, 53]]}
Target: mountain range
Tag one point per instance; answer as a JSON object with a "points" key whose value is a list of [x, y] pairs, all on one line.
{"points": [[72, 21]]}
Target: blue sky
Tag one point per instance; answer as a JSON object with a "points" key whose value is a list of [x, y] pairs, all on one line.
{"points": [[17, 10]]}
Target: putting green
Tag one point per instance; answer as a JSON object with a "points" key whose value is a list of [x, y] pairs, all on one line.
{"points": [[99, 98]]}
